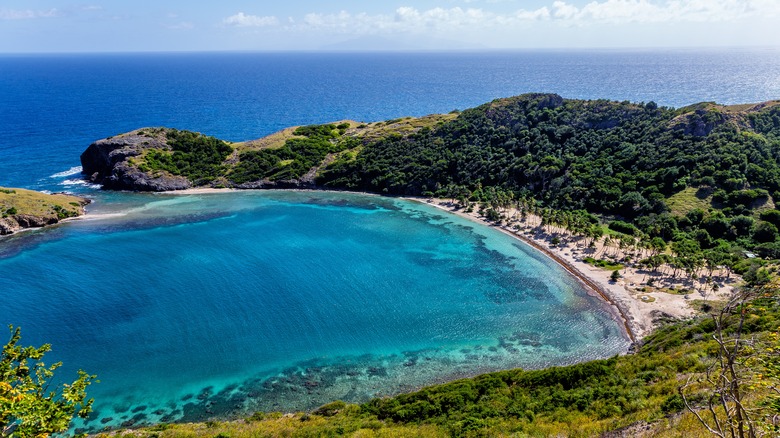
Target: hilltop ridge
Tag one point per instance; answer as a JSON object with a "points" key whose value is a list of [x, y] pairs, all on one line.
{"points": [[539, 142]]}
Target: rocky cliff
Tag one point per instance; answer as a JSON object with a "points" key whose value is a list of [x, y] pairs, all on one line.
{"points": [[109, 162]]}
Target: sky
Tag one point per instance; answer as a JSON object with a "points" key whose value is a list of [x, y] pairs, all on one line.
{"points": [[30, 26]]}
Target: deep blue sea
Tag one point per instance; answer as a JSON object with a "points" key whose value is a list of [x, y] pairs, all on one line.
{"points": [[189, 306]]}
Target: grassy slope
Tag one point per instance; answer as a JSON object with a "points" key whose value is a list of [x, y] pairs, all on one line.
{"points": [[28, 202], [365, 132]]}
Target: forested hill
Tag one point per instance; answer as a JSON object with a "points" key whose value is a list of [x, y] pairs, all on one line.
{"points": [[614, 157], [611, 157], [709, 171]]}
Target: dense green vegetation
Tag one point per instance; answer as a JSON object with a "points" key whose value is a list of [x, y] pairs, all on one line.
{"points": [[198, 157], [295, 158], [32, 404], [616, 158]]}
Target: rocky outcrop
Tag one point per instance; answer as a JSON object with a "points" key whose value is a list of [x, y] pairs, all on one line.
{"points": [[108, 162], [116, 163], [12, 224]]}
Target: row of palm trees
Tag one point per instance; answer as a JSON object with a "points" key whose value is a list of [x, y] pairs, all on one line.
{"points": [[681, 260]]}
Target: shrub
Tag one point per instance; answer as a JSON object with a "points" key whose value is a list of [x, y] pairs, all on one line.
{"points": [[330, 409], [623, 227]]}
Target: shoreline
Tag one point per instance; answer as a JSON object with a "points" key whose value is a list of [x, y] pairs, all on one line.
{"points": [[591, 284], [638, 310]]}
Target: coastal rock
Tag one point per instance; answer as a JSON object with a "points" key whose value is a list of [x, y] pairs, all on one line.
{"points": [[12, 224], [108, 162], [30, 221], [8, 225], [115, 163]]}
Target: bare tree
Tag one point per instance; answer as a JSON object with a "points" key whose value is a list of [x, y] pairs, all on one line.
{"points": [[723, 410]]}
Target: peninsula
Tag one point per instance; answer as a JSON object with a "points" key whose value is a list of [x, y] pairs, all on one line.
{"points": [[653, 204], [623, 186], [21, 209]]}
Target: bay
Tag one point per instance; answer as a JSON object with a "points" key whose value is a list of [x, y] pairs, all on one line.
{"points": [[190, 306], [186, 305]]}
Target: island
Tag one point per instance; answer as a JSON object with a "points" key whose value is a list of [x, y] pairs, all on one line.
{"points": [[22, 209]]}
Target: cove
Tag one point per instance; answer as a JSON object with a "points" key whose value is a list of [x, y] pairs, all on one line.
{"points": [[201, 305]]}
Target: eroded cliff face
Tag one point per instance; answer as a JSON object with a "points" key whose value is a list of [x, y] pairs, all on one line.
{"points": [[12, 224], [109, 162]]}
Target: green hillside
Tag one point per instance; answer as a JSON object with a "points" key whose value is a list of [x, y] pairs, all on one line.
{"points": [[20, 208]]}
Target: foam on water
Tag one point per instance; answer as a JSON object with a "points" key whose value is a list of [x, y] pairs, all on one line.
{"points": [[79, 182], [72, 171]]}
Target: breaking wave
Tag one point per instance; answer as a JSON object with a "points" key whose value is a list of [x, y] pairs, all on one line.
{"points": [[72, 171]]}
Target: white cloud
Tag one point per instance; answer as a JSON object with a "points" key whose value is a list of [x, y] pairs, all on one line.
{"points": [[404, 19], [243, 20], [647, 11], [411, 19], [27, 14]]}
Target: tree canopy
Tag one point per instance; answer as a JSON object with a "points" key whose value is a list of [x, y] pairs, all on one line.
{"points": [[27, 407]]}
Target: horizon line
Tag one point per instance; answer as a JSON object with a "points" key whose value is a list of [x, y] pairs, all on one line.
{"points": [[402, 51]]}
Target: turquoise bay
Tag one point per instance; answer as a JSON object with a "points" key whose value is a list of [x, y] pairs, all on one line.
{"points": [[191, 306]]}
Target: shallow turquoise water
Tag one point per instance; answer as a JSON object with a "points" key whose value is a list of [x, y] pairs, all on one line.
{"points": [[190, 306]]}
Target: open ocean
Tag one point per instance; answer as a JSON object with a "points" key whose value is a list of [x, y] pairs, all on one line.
{"points": [[192, 306]]}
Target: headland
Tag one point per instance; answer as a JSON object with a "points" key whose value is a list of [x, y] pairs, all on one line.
{"points": [[24, 209]]}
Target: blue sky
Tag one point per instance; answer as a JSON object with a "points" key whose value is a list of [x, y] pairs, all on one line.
{"points": [[178, 25]]}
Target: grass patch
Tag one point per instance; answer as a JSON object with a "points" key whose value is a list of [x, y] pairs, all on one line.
{"points": [[273, 141], [404, 127], [675, 291], [29, 202], [690, 199], [604, 264]]}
